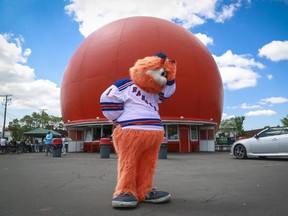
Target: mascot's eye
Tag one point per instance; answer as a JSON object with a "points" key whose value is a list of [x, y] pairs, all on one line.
{"points": [[164, 73]]}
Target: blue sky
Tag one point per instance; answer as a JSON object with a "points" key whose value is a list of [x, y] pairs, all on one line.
{"points": [[248, 40]]}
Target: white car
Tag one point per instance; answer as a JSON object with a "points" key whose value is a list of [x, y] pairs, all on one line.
{"points": [[270, 142]]}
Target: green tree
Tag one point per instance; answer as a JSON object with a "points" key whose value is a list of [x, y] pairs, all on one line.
{"points": [[37, 119], [285, 121], [28, 122], [227, 126], [44, 120], [233, 125], [16, 129], [33, 121], [56, 122], [238, 121]]}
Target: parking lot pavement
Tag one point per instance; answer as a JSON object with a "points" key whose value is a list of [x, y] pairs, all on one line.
{"points": [[200, 184]]}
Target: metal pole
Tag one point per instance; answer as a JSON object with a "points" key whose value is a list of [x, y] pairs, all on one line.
{"points": [[5, 109]]}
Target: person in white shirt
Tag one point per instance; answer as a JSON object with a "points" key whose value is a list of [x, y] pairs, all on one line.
{"points": [[64, 143], [3, 143]]}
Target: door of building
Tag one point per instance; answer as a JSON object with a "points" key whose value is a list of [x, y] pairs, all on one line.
{"points": [[207, 142], [184, 138]]}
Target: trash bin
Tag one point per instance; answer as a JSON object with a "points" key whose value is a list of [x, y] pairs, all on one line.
{"points": [[163, 149], [105, 145], [57, 147]]}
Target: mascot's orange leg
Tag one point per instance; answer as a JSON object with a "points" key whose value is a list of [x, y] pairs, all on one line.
{"points": [[137, 159]]}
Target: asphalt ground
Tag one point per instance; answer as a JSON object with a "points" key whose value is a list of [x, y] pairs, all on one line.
{"points": [[200, 184]]}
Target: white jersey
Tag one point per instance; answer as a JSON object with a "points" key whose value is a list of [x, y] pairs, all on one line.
{"points": [[131, 107]]}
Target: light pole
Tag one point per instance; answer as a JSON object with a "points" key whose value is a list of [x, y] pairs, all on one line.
{"points": [[5, 109]]}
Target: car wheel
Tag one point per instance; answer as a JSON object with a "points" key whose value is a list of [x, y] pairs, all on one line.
{"points": [[240, 152]]}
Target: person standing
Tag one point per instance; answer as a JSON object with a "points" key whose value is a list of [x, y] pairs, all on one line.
{"points": [[48, 142], [64, 143], [36, 145], [28, 145], [22, 146], [3, 143]]}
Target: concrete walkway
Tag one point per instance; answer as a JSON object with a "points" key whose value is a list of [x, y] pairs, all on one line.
{"points": [[200, 184]]}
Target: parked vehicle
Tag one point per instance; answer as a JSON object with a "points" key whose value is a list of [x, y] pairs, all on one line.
{"points": [[270, 142]]}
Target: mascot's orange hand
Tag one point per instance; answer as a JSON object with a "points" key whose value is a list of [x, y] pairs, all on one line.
{"points": [[170, 68]]}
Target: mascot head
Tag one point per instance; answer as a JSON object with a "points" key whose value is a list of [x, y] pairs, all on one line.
{"points": [[152, 73]]}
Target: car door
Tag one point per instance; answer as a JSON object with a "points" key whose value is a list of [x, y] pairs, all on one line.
{"points": [[283, 145], [266, 142]]}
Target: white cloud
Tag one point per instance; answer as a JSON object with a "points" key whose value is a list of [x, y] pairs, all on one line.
{"points": [[204, 39], [260, 113], [275, 51], [92, 14], [269, 76], [226, 116], [18, 79], [246, 106], [227, 12], [237, 70], [243, 61], [12, 52], [232, 107], [274, 100], [235, 78]]}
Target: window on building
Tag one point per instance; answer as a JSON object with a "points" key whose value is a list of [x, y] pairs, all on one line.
{"points": [[193, 133], [88, 134], [210, 134], [107, 130], [97, 133], [172, 132]]}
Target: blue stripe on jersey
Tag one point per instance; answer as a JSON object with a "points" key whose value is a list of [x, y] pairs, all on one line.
{"points": [[127, 125], [161, 96], [123, 84], [139, 122], [110, 106], [112, 109]]}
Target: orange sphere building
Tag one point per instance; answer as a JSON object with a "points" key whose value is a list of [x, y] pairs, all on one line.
{"points": [[191, 116]]}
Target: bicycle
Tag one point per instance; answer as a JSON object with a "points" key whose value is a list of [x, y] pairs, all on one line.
{"points": [[16, 148]]}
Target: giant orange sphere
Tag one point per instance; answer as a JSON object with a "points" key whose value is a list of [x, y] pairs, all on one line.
{"points": [[107, 54]]}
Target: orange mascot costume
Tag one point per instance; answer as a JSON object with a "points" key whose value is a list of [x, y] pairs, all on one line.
{"points": [[133, 105]]}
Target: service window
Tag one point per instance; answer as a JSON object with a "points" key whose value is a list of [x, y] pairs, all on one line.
{"points": [[107, 131], [97, 133], [88, 134], [172, 132], [193, 133]]}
